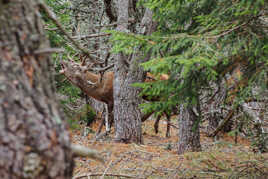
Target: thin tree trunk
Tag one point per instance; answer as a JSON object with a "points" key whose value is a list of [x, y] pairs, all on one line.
{"points": [[189, 135], [33, 139]]}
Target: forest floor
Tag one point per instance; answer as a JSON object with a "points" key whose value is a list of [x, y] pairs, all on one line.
{"points": [[158, 158]]}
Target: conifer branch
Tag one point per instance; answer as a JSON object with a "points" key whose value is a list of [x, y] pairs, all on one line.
{"points": [[53, 17]]}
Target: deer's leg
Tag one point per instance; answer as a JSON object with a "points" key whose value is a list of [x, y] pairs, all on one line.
{"points": [[100, 127], [144, 117], [102, 122], [110, 118], [156, 124], [168, 125], [107, 122]]}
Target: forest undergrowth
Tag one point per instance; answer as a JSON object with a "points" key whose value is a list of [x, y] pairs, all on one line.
{"points": [[158, 158]]}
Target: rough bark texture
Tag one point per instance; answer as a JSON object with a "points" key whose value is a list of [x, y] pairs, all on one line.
{"points": [[33, 139], [127, 114], [189, 135], [109, 11], [127, 129], [214, 107]]}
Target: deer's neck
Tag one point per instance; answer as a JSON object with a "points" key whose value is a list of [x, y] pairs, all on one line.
{"points": [[94, 78], [102, 90]]}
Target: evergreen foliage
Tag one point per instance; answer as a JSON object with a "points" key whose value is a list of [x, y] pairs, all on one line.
{"points": [[68, 92], [199, 42], [57, 40], [60, 8]]}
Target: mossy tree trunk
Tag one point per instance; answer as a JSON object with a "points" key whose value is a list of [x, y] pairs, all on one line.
{"points": [[33, 140]]}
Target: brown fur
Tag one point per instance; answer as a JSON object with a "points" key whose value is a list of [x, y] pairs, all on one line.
{"points": [[101, 87]]}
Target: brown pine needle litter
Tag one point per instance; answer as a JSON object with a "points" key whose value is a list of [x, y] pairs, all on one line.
{"points": [[158, 158]]}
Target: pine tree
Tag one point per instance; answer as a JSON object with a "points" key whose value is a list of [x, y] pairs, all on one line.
{"points": [[200, 42]]}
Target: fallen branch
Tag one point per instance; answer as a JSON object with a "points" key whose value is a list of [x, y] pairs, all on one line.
{"points": [[107, 168], [48, 51], [215, 132], [82, 151], [101, 135], [107, 174]]}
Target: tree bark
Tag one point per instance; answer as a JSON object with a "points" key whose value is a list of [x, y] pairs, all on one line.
{"points": [[189, 135], [127, 114], [127, 127], [33, 139], [214, 107], [109, 11]]}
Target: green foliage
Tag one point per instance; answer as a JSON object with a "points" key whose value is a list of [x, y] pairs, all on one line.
{"points": [[69, 114], [84, 114], [57, 40], [61, 9], [69, 90], [198, 42]]}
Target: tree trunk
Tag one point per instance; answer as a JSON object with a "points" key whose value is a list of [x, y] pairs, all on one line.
{"points": [[214, 107], [217, 112], [127, 114], [33, 140], [189, 135], [127, 126]]}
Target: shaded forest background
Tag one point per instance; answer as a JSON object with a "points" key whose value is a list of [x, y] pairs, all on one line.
{"points": [[196, 69]]}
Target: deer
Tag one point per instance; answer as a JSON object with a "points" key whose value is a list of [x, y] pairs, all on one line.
{"points": [[100, 87]]}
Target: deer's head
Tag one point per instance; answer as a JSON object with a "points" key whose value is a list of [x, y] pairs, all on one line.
{"points": [[90, 83], [78, 74]]}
